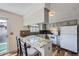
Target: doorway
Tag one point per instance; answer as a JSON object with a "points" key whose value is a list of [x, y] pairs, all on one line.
{"points": [[3, 36]]}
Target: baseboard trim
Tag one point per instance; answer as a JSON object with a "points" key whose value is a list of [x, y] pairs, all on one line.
{"points": [[14, 51]]}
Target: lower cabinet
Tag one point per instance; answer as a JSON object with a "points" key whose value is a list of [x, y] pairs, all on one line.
{"points": [[46, 50]]}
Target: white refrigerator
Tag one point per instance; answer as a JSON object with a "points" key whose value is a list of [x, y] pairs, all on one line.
{"points": [[68, 38]]}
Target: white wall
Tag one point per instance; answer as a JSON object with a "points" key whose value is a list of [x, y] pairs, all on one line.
{"points": [[64, 11], [15, 23], [35, 15]]}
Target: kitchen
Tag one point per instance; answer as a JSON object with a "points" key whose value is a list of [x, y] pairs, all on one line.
{"points": [[51, 29]]}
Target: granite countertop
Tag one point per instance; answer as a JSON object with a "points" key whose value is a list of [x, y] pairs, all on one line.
{"points": [[36, 41]]}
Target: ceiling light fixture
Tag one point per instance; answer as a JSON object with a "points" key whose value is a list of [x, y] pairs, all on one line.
{"points": [[51, 13]]}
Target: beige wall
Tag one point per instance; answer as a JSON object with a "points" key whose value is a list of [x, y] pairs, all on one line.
{"points": [[14, 25]]}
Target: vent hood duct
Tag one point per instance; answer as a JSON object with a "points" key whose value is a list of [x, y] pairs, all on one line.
{"points": [[44, 26]]}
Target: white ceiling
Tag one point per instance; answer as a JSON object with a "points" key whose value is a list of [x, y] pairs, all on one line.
{"points": [[18, 8], [63, 7], [24, 8], [64, 11]]}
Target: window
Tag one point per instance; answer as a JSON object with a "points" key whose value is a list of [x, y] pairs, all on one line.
{"points": [[34, 28]]}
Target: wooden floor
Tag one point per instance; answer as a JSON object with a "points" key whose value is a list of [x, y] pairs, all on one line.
{"points": [[57, 51], [13, 53]]}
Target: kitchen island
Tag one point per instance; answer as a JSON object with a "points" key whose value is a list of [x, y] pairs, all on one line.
{"points": [[41, 44]]}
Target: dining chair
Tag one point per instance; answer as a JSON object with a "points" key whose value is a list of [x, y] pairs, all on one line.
{"points": [[27, 50], [18, 48]]}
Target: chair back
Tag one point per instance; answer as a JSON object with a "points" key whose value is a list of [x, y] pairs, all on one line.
{"points": [[18, 48], [17, 41], [23, 48]]}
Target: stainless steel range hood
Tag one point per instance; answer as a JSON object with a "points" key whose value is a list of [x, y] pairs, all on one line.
{"points": [[44, 25]]}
